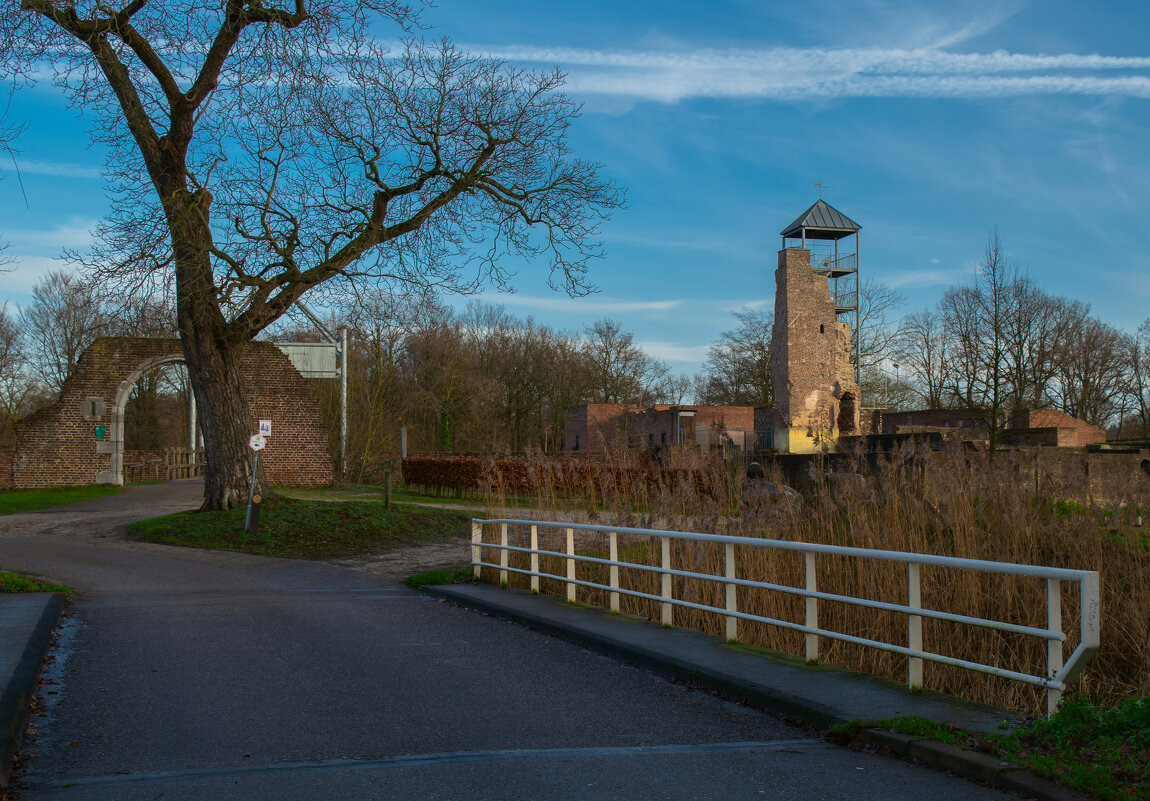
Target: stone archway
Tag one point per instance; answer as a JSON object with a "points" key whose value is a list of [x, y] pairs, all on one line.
{"points": [[115, 472], [58, 445]]}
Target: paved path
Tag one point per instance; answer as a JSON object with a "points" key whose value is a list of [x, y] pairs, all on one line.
{"points": [[184, 674]]}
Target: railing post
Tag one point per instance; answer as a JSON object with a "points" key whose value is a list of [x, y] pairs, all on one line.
{"points": [[613, 545], [914, 623], [812, 609], [476, 549], [571, 565], [1053, 647], [534, 559], [503, 555], [665, 608], [732, 603]]}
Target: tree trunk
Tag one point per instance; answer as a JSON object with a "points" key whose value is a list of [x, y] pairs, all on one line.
{"points": [[212, 352], [224, 417]]}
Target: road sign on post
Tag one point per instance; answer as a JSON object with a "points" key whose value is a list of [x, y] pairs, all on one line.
{"points": [[257, 442]]}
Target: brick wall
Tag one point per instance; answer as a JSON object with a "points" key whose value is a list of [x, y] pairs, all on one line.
{"points": [[56, 445], [811, 372], [6, 471]]}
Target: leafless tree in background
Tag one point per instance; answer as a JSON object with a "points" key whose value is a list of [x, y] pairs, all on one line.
{"points": [[260, 150], [976, 318], [923, 353], [622, 372], [65, 317], [878, 337], [737, 371], [1092, 372], [18, 387]]}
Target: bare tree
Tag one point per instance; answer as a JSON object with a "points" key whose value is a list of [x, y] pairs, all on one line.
{"points": [[64, 318], [976, 318], [17, 385], [737, 371], [1091, 374], [878, 336], [923, 354], [622, 372], [282, 149]]}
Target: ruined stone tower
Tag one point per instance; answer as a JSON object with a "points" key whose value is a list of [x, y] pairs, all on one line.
{"points": [[815, 386]]}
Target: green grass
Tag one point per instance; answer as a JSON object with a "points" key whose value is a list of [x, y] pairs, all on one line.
{"points": [[363, 492], [455, 575], [300, 529], [1098, 751], [1102, 752], [14, 582], [27, 500]]}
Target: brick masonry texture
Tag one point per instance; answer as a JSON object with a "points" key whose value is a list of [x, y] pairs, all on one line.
{"points": [[811, 373], [56, 446]]}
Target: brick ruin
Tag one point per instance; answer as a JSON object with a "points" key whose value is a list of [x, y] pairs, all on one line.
{"points": [[57, 445], [816, 396]]}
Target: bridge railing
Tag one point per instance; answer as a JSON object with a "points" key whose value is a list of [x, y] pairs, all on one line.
{"points": [[1058, 674]]}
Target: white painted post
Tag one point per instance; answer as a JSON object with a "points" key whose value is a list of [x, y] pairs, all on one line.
{"points": [[571, 566], [666, 609], [914, 635], [812, 608], [1053, 647], [732, 604], [614, 556], [503, 555], [534, 559], [476, 550]]}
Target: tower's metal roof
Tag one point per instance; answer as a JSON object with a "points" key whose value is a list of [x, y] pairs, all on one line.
{"points": [[821, 221]]}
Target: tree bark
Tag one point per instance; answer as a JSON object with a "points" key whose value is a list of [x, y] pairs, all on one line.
{"points": [[213, 353]]}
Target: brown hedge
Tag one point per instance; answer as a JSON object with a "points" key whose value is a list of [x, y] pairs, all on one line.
{"points": [[561, 476]]}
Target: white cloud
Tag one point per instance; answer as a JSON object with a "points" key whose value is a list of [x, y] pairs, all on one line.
{"points": [[593, 304], [76, 233], [789, 74], [57, 168], [16, 286], [673, 351], [920, 279]]}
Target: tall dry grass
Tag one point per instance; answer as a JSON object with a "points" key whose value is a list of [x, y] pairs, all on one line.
{"points": [[1009, 508]]}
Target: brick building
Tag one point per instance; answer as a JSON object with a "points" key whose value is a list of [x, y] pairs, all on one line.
{"points": [[1040, 427], [603, 426]]}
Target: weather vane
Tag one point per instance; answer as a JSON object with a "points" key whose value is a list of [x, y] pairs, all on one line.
{"points": [[819, 186]]}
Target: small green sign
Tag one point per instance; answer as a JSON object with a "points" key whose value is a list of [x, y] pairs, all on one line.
{"points": [[101, 431]]}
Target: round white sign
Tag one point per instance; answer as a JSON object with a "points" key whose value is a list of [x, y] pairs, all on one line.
{"points": [[257, 442]]}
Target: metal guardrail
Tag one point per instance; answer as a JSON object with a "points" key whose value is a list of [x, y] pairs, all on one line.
{"points": [[1059, 674]]}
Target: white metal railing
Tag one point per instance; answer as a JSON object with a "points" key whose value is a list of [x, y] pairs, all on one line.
{"points": [[1059, 674]]}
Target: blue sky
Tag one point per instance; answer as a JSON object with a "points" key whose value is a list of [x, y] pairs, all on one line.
{"points": [[928, 123]]}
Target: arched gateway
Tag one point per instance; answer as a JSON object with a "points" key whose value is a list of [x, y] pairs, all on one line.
{"points": [[58, 445]]}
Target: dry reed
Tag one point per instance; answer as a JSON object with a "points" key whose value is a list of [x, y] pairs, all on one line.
{"points": [[1009, 508]]}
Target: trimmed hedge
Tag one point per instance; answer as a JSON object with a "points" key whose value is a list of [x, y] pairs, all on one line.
{"points": [[564, 476]]}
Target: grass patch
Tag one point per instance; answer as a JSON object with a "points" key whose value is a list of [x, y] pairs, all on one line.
{"points": [[1083, 746], [455, 575], [13, 501], [300, 529], [14, 582], [1086, 747], [364, 492]]}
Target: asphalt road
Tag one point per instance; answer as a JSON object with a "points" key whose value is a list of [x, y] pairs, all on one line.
{"points": [[184, 674]]}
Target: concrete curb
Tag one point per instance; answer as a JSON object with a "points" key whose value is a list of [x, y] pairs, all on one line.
{"points": [[26, 624], [706, 674]]}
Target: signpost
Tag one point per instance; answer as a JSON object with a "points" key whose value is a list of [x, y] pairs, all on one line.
{"points": [[257, 443]]}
